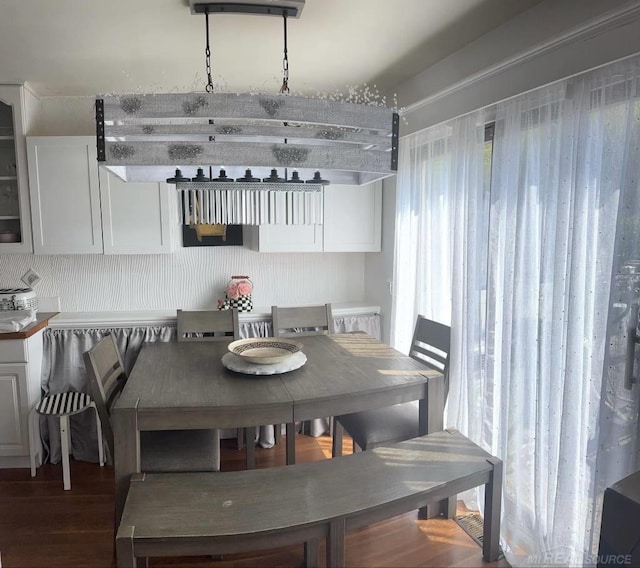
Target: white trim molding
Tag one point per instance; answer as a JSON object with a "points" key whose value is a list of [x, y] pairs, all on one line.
{"points": [[551, 41]]}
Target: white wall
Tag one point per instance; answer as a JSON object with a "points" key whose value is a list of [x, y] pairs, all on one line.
{"points": [[64, 116], [189, 278], [378, 273]]}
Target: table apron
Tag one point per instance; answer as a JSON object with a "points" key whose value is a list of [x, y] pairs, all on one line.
{"points": [[196, 418], [356, 402]]}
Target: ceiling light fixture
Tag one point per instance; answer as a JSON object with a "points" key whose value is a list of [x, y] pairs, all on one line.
{"points": [[148, 137]]}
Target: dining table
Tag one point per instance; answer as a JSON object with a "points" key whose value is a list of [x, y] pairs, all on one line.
{"points": [[184, 385]]}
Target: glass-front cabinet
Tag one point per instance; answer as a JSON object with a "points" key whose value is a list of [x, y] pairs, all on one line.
{"points": [[15, 225]]}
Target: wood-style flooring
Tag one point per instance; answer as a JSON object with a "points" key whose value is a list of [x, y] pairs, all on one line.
{"points": [[43, 526]]}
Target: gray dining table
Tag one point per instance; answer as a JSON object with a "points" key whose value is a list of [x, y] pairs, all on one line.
{"points": [[183, 385]]}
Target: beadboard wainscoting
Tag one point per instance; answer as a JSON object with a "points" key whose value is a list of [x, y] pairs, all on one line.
{"points": [[191, 278]]}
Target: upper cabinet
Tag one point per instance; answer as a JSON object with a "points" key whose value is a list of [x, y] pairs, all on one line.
{"points": [[353, 218], [15, 222], [352, 223], [136, 217], [65, 196], [77, 210]]}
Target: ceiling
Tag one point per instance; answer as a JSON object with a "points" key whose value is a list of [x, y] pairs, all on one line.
{"points": [[89, 47]]}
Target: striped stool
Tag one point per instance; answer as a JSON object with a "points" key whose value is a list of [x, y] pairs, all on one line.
{"points": [[63, 405]]}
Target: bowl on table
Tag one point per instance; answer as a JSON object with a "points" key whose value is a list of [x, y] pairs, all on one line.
{"points": [[265, 350]]}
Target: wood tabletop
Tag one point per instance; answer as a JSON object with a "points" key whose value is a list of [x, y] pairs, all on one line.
{"points": [[174, 383], [344, 372]]}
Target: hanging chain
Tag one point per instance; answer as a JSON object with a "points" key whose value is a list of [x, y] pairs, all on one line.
{"points": [[207, 52], [285, 62]]}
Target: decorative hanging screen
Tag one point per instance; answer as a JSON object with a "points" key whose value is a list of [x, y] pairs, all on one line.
{"points": [[145, 137], [250, 204]]}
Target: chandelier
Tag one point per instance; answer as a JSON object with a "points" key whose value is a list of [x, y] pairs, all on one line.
{"points": [[246, 158]]}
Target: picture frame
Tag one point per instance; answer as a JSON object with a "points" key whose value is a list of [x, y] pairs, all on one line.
{"points": [[31, 278]]}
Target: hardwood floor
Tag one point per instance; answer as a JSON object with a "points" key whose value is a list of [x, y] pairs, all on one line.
{"points": [[43, 526]]}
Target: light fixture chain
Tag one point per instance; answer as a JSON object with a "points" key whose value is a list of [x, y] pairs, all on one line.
{"points": [[207, 52], [285, 61]]}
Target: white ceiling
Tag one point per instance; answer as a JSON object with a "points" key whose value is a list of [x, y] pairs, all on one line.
{"points": [[89, 47]]}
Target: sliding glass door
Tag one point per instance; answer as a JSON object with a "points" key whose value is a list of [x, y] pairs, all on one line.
{"points": [[537, 269]]}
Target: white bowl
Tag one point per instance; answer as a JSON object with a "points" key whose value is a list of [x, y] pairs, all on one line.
{"points": [[265, 350]]}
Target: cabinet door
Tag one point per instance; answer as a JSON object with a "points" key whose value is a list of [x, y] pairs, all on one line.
{"points": [[14, 410], [284, 238], [353, 218], [15, 221], [135, 216], [65, 196]]}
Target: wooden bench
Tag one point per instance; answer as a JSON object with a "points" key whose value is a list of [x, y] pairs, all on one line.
{"points": [[187, 514]]}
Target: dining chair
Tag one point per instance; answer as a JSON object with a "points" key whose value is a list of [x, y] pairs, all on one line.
{"points": [[208, 325], [303, 320], [160, 451], [295, 322], [370, 428], [61, 406]]}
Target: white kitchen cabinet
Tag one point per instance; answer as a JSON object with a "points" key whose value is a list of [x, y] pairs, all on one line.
{"points": [[353, 218], [352, 223], [20, 376], [283, 238], [136, 217], [77, 210], [65, 195], [15, 221]]}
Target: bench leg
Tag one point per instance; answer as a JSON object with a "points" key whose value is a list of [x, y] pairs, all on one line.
{"points": [[336, 442], [291, 443], [446, 508], [492, 504], [312, 553], [277, 434], [335, 544]]}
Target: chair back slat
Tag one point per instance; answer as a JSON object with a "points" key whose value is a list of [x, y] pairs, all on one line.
{"points": [[300, 321], [209, 325], [430, 345]]}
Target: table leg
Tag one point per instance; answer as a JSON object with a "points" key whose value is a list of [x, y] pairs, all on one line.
{"points": [[431, 419], [250, 443], [126, 437], [216, 435], [291, 443], [337, 439], [431, 408]]}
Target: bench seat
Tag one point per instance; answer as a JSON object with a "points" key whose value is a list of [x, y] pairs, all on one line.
{"points": [[186, 514]]}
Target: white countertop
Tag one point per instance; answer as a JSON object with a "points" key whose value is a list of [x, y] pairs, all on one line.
{"points": [[79, 320]]}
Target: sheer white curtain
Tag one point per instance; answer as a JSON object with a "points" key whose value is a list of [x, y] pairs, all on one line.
{"points": [[565, 160], [431, 220], [543, 287]]}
